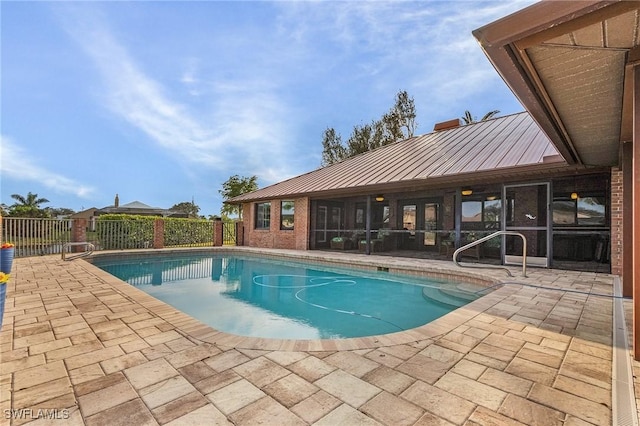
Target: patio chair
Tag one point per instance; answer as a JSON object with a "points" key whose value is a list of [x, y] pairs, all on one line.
{"points": [[341, 243], [447, 245]]}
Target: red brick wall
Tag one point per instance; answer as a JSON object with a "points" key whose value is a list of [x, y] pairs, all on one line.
{"points": [[274, 237], [448, 208], [218, 233], [616, 221], [158, 234]]}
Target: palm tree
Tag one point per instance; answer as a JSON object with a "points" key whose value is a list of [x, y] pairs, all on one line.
{"points": [[467, 118], [28, 206]]}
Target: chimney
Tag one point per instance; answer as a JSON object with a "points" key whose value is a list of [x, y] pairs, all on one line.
{"points": [[446, 125], [116, 202]]}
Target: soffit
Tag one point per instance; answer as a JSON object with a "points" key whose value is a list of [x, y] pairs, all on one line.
{"points": [[566, 62], [586, 87]]}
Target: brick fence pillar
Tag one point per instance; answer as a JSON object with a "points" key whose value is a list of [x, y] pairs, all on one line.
{"points": [[158, 234], [218, 238], [78, 234], [240, 233]]}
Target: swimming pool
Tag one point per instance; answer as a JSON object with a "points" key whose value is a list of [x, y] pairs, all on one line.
{"points": [[258, 297]]}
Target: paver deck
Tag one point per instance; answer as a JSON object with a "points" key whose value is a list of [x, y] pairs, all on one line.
{"points": [[81, 347]]}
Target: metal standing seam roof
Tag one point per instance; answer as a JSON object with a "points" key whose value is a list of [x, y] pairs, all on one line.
{"points": [[499, 144]]}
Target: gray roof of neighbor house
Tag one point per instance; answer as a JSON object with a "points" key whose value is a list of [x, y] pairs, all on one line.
{"points": [[499, 147], [136, 207]]}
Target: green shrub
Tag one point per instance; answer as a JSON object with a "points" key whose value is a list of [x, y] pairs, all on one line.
{"points": [[191, 232], [123, 231]]}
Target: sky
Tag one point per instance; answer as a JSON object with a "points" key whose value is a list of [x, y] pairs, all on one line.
{"points": [[162, 101]]}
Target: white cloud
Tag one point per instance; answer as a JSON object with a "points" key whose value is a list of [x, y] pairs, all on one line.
{"points": [[243, 121], [241, 116], [17, 164], [427, 47]]}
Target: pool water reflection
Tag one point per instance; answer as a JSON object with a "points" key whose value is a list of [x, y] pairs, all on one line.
{"points": [[257, 297]]}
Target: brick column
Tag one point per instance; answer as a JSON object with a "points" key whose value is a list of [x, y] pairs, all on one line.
{"points": [[617, 197], [240, 233], [78, 234], [218, 239], [634, 232], [158, 234]]}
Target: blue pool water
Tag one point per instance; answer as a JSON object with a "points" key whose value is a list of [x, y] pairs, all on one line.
{"points": [[250, 296]]}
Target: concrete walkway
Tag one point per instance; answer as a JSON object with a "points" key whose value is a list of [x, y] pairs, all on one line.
{"points": [[79, 346]]}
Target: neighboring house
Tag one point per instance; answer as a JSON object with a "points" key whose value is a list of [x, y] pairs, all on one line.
{"points": [[88, 214], [138, 208], [132, 208]]}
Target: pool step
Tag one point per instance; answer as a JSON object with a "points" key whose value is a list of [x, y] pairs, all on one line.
{"points": [[448, 296]]}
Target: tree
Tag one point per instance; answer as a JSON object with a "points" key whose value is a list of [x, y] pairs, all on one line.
{"points": [[332, 148], [58, 211], [397, 124], [233, 187], [190, 208], [28, 206], [467, 118]]}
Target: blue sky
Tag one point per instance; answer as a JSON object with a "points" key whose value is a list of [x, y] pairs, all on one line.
{"points": [[161, 102]]}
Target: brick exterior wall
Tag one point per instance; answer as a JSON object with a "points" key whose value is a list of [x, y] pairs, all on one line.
{"points": [[617, 190], [274, 237]]}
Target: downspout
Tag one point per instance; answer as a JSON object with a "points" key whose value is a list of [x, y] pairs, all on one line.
{"points": [[458, 217], [368, 225]]}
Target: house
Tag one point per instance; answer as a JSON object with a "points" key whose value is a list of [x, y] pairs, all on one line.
{"points": [[447, 185], [565, 173], [88, 214], [137, 208]]}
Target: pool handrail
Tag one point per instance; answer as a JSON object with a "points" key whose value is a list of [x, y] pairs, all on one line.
{"points": [[88, 250], [488, 237]]}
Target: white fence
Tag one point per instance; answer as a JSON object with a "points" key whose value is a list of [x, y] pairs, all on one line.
{"points": [[35, 237]]}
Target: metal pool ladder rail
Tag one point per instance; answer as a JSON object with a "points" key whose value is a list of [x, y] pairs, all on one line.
{"points": [[89, 248], [488, 237]]}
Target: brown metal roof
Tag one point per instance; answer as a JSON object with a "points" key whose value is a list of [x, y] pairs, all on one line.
{"points": [[568, 63], [502, 145]]}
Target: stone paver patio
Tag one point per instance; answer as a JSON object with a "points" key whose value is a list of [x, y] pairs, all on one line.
{"points": [[79, 346]]}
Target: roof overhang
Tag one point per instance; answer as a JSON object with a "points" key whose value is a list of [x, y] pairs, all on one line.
{"points": [[569, 64], [553, 168]]}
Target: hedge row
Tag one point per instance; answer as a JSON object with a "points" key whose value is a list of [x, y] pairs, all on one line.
{"points": [[121, 231]]}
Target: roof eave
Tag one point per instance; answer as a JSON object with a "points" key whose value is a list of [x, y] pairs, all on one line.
{"points": [[499, 40], [449, 181]]}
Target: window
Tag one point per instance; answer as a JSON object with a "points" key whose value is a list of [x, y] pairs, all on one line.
{"points": [[492, 211], [286, 214], [263, 215], [584, 211], [472, 211], [360, 217], [481, 214]]}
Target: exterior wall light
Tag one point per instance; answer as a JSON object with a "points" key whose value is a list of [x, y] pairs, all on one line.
{"points": [[467, 192], [379, 197]]}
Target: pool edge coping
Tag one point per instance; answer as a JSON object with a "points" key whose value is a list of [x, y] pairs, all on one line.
{"points": [[202, 332]]}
